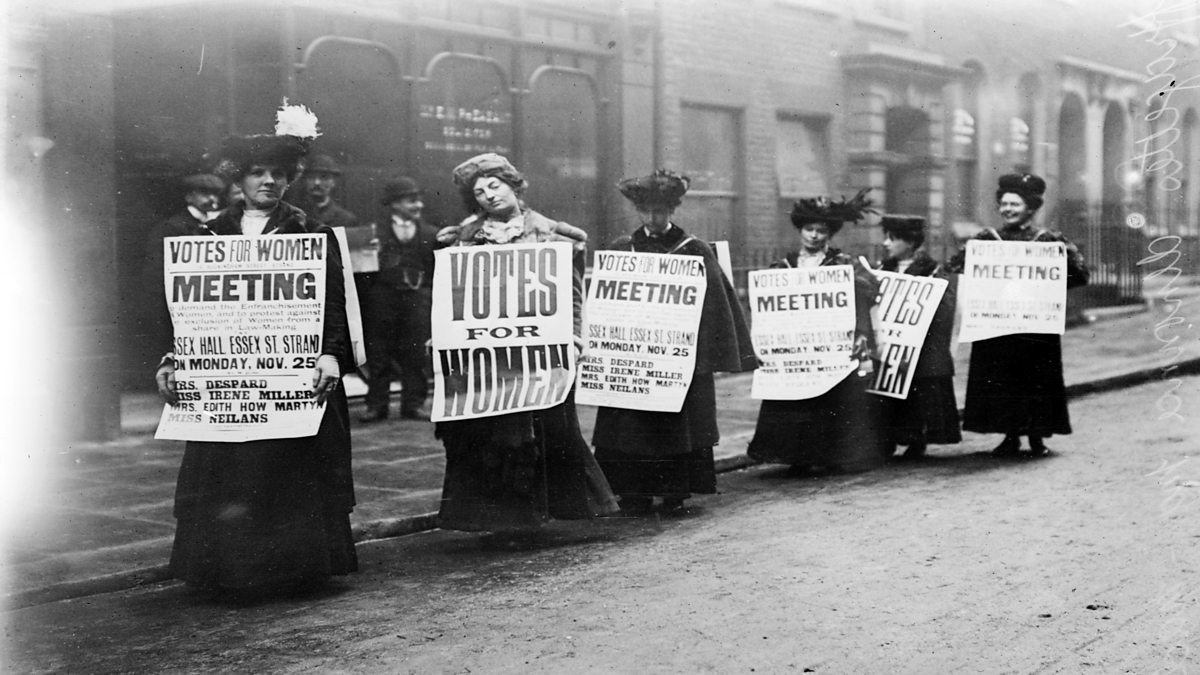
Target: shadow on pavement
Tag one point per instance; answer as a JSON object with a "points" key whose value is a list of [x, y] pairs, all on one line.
{"points": [[933, 466]]}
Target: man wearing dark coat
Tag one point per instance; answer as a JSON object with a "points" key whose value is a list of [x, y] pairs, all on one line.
{"points": [[321, 175], [398, 299], [669, 455], [202, 194]]}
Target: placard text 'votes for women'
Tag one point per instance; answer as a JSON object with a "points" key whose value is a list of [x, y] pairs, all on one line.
{"points": [[1010, 287], [803, 330], [641, 330], [248, 314], [901, 319], [503, 330]]}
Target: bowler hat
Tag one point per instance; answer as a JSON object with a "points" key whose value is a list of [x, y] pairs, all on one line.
{"points": [[663, 188], [399, 188], [323, 164]]}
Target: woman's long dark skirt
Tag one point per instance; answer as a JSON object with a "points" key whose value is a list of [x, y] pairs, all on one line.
{"points": [[840, 430], [928, 415], [1015, 386], [266, 513], [661, 454], [512, 473]]}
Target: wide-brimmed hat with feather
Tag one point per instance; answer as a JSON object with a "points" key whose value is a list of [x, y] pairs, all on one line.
{"points": [[295, 129], [833, 213]]}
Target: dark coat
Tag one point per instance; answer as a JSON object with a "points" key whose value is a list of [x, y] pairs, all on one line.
{"points": [[395, 268], [1015, 382], [155, 318], [723, 345], [936, 359], [647, 453], [263, 513], [396, 307], [840, 429], [516, 471], [330, 215], [182, 224], [930, 413]]}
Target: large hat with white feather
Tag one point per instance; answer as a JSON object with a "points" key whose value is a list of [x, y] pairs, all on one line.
{"points": [[295, 129]]}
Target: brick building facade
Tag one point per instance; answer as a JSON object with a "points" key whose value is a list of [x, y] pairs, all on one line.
{"points": [[761, 102], [928, 103]]}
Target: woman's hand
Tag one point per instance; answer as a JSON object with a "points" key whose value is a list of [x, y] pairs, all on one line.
{"points": [[165, 379], [326, 377], [867, 266], [862, 348], [449, 234]]}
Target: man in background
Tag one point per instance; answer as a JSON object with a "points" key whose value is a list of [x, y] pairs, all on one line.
{"points": [[321, 175], [397, 304], [202, 196], [202, 201]]}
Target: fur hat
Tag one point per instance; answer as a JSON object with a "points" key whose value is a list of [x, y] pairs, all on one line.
{"points": [[481, 166], [398, 188], [832, 213], [661, 188], [295, 129], [1028, 186], [908, 228], [203, 181]]}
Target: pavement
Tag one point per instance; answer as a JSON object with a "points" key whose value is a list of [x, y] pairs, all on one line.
{"points": [[100, 520], [1080, 562]]}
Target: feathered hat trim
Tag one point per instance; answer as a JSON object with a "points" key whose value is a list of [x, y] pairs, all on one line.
{"points": [[832, 212], [661, 188], [295, 129]]}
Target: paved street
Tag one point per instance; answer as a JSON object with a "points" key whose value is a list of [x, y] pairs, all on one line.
{"points": [[1085, 561]]}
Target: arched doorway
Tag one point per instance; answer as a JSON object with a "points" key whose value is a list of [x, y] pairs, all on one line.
{"points": [[355, 88], [561, 128]]}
